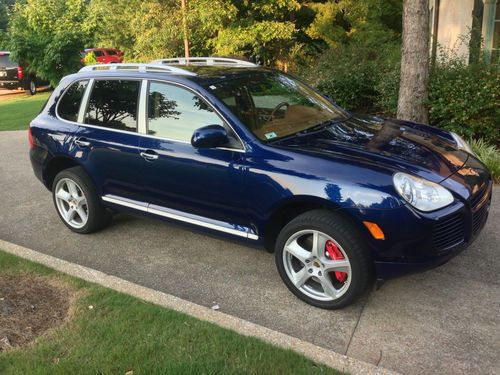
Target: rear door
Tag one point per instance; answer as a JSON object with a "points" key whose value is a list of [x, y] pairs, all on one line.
{"points": [[108, 138]]}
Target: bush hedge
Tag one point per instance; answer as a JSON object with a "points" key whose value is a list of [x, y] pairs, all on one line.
{"points": [[462, 98]]}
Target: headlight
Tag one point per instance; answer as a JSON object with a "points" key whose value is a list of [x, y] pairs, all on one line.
{"points": [[421, 194], [462, 143]]}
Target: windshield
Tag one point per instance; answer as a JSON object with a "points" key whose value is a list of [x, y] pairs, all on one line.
{"points": [[274, 105]]}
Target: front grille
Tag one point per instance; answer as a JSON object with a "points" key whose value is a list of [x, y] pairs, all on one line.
{"points": [[449, 232], [479, 205]]}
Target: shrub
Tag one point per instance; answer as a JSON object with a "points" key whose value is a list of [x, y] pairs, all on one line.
{"points": [[351, 74], [465, 98], [90, 59], [489, 155]]}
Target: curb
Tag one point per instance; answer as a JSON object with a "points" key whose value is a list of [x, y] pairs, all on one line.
{"points": [[243, 327]]}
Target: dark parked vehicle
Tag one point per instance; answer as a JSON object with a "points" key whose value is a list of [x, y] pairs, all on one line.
{"points": [[15, 76], [257, 155]]}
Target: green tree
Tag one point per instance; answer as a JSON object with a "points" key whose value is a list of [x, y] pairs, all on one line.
{"points": [[263, 28], [5, 12], [49, 35]]}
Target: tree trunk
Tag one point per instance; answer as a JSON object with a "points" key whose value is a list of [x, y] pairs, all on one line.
{"points": [[185, 28], [414, 62]]}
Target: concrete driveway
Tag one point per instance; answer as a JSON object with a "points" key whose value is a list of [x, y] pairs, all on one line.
{"points": [[444, 321]]}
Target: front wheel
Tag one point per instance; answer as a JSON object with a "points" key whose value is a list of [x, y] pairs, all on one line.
{"points": [[322, 259], [77, 203]]}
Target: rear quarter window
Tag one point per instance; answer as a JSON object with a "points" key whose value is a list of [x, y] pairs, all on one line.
{"points": [[69, 104]]}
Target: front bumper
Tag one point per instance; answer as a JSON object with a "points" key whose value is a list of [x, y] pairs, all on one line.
{"points": [[417, 241]]}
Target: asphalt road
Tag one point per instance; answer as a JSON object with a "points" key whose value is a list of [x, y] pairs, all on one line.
{"points": [[444, 321]]}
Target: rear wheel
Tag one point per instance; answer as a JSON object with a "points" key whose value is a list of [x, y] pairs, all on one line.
{"points": [[322, 259], [77, 203], [31, 87]]}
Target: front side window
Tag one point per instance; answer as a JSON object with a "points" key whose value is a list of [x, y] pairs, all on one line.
{"points": [[69, 104], [113, 104], [175, 113], [273, 105], [98, 53]]}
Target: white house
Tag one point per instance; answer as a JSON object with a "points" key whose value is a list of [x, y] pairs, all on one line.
{"points": [[465, 27]]}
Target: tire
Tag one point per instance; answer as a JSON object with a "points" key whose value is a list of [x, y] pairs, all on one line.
{"points": [[31, 87], [72, 207], [309, 274]]}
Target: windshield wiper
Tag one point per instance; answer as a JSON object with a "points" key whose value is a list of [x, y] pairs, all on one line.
{"points": [[320, 126], [313, 129]]}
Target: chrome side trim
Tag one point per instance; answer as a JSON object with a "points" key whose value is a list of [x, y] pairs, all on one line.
{"points": [[145, 207], [127, 203]]}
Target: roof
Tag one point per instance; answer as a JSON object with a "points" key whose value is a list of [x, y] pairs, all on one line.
{"points": [[198, 73]]}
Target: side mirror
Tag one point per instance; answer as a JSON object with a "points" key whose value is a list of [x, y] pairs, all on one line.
{"points": [[209, 137]]}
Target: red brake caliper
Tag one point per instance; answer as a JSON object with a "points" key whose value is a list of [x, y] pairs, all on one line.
{"points": [[333, 252]]}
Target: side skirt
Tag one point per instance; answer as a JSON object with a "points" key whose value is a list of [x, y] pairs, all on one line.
{"points": [[236, 230]]}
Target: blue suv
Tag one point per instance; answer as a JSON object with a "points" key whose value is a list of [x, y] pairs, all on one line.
{"points": [[257, 155]]}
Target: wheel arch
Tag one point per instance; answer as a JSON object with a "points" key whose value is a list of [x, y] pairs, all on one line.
{"points": [[57, 164], [290, 209]]}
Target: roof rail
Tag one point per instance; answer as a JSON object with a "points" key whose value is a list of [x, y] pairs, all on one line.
{"points": [[205, 61], [137, 68]]}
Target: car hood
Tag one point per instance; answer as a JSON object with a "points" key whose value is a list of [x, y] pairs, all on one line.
{"points": [[419, 149]]}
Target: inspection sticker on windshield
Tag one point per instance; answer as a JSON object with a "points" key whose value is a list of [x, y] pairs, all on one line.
{"points": [[270, 135]]}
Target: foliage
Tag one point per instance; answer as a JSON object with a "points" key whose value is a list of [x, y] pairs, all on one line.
{"points": [[489, 155], [5, 11], [90, 59], [355, 74], [465, 98], [49, 36]]}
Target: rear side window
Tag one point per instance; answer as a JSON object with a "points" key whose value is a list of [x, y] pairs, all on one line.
{"points": [[111, 52], [98, 53], [69, 104], [113, 104]]}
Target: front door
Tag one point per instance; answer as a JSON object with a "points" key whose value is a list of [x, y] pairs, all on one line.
{"points": [[202, 184]]}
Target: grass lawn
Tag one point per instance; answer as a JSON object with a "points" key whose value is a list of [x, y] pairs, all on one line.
{"points": [[17, 112], [121, 334]]}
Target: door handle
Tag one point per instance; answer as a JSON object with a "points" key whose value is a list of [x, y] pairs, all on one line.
{"points": [[82, 142], [149, 155]]}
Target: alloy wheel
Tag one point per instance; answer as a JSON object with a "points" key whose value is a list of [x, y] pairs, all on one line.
{"points": [[71, 203], [317, 265]]}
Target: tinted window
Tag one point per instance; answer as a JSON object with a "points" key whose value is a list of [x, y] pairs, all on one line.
{"points": [[113, 104], [111, 52], [70, 102], [6, 62], [98, 53], [176, 113]]}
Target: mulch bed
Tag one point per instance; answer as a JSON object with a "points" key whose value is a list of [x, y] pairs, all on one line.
{"points": [[29, 306]]}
